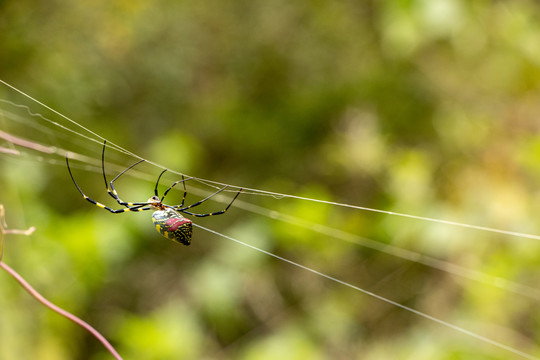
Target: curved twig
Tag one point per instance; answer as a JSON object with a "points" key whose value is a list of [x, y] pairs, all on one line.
{"points": [[38, 296]]}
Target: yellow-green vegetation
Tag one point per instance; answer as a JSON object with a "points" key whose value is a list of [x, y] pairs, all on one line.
{"points": [[424, 107]]}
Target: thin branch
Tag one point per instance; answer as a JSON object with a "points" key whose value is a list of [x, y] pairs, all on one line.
{"points": [[59, 310], [38, 296]]}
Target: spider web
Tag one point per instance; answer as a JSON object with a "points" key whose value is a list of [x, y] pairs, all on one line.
{"points": [[37, 138]]}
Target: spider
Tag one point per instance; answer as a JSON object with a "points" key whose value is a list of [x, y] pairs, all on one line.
{"points": [[167, 219]]}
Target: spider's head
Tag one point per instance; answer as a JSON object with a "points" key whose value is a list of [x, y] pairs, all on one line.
{"points": [[155, 203]]}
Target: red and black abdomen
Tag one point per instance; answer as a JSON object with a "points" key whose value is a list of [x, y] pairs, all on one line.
{"points": [[172, 225]]}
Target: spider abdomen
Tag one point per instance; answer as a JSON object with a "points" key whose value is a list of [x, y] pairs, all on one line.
{"points": [[172, 225]]}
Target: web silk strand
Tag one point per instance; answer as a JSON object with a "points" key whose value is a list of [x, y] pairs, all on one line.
{"points": [[381, 298]]}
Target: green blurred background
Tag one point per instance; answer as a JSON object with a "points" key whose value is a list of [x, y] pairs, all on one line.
{"points": [[426, 107]]}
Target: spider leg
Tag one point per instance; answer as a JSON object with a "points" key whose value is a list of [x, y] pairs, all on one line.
{"points": [[140, 207], [157, 183], [203, 200], [112, 191], [183, 181], [110, 186]]}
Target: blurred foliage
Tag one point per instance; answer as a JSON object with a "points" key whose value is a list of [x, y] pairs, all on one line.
{"points": [[427, 107]]}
